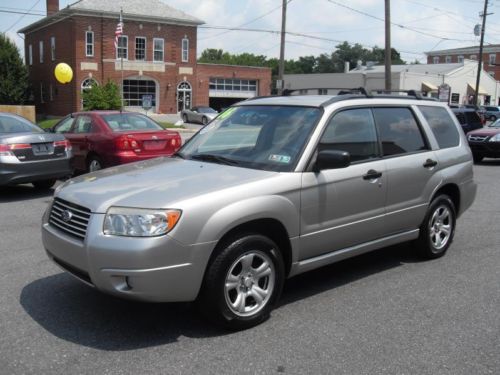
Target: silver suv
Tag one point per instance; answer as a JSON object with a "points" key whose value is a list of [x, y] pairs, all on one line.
{"points": [[271, 188]]}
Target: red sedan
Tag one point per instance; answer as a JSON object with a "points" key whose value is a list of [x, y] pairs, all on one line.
{"points": [[102, 139]]}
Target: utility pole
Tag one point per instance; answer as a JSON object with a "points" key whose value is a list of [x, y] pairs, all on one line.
{"points": [[388, 62], [480, 60], [281, 70]]}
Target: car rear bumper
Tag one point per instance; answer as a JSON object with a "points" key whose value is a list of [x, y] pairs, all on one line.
{"points": [[157, 269], [488, 149], [24, 172]]}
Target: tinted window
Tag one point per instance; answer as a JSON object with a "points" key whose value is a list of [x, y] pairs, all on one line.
{"points": [[472, 117], [398, 130], [14, 124], [83, 124], [129, 121], [352, 131], [442, 126], [64, 126]]}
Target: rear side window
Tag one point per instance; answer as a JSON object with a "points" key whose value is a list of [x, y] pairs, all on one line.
{"points": [[352, 131], [399, 131], [442, 126], [461, 117]]}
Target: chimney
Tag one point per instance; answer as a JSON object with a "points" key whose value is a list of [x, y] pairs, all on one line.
{"points": [[52, 7]]}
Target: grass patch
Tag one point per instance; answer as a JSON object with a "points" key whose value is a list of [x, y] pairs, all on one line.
{"points": [[48, 123], [169, 125]]}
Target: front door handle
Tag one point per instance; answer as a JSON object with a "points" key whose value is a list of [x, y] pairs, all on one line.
{"points": [[372, 174], [429, 163]]}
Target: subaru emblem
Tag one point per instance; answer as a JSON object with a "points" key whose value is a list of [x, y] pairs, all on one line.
{"points": [[66, 215]]}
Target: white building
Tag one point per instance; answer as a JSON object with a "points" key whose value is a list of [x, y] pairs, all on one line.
{"points": [[461, 77]]}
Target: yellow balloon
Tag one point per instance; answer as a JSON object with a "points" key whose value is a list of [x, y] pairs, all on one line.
{"points": [[63, 73]]}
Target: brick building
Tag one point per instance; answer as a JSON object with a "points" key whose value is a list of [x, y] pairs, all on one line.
{"points": [[156, 55], [491, 57]]}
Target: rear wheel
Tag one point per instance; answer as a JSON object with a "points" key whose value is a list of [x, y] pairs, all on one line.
{"points": [[243, 282], [184, 118], [477, 157], [438, 228], [204, 120], [44, 184], [493, 117], [94, 164]]}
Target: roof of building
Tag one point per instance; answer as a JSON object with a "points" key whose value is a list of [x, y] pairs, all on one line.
{"points": [[471, 49], [137, 10], [412, 68]]}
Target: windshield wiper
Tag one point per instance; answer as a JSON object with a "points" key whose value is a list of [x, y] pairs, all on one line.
{"points": [[214, 158]]}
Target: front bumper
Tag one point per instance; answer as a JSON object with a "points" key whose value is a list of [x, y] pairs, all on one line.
{"points": [[157, 269]]}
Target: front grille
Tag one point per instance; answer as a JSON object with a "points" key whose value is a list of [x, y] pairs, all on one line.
{"points": [[478, 138], [70, 218]]}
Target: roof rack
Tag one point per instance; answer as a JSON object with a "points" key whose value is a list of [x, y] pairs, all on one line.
{"points": [[341, 90]]}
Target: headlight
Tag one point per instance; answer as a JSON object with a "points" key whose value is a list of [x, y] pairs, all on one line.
{"points": [[495, 138], [137, 222]]}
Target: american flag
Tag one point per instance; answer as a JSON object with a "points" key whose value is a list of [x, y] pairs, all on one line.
{"points": [[119, 30]]}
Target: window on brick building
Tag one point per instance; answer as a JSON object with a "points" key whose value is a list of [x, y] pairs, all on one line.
{"points": [[140, 48], [185, 49], [122, 49], [435, 59], [473, 57], [41, 93], [30, 54], [51, 92], [460, 59], [40, 50], [447, 59], [158, 47], [492, 59], [89, 43], [52, 48]]}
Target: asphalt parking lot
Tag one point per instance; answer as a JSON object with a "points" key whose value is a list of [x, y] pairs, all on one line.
{"points": [[385, 312]]}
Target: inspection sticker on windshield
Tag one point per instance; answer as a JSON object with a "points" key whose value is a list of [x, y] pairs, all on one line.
{"points": [[280, 158]]}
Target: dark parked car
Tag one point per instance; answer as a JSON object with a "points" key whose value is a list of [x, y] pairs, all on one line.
{"points": [[485, 142], [469, 118], [103, 139], [28, 154], [491, 112], [202, 115]]}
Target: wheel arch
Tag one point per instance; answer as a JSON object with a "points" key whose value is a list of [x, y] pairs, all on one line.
{"points": [[453, 192]]}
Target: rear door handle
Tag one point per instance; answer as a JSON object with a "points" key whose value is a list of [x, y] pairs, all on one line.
{"points": [[429, 163], [372, 174]]}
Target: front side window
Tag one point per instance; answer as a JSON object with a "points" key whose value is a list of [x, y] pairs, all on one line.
{"points": [[268, 138], [40, 50], [89, 43], [185, 50], [140, 48], [64, 126], [353, 131], [442, 126], [122, 48], [398, 131], [53, 48], [158, 46]]}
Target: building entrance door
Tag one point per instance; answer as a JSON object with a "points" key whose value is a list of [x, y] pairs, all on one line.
{"points": [[184, 93]]}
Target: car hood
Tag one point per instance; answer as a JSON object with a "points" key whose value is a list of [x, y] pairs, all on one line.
{"points": [[154, 183]]}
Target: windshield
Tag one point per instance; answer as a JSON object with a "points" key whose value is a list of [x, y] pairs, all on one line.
{"points": [[14, 124], [259, 137], [206, 110], [122, 122], [495, 124]]}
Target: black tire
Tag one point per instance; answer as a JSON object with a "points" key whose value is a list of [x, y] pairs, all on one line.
{"points": [[44, 184], [228, 280], [493, 118], [94, 163], [437, 229], [204, 120], [477, 157], [184, 118]]}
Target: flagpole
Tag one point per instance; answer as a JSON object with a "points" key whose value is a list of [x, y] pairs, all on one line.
{"points": [[121, 63]]}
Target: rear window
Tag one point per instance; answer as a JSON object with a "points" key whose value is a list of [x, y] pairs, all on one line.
{"points": [[442, 126], [122, 122], [14, 124]]}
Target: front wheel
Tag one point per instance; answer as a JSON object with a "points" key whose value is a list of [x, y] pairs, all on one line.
{"points": [[184, 118], [438, 228], [204, 120], [477, 157], [94, 164], [493, 118], [44, 184], [243, 282]]}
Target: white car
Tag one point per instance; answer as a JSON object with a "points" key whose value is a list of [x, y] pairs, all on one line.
{"points": [[201, 115]]}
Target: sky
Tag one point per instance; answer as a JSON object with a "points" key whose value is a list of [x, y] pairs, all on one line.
{"points": [[315, 26]]}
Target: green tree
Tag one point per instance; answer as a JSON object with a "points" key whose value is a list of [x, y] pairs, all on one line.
{"points": [[13, 74], [102, 97]]}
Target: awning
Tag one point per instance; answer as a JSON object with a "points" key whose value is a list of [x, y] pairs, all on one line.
{"points": [[427, 86], [472, 88]]}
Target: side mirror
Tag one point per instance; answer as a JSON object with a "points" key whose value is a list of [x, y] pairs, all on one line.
{"points": [[332, 159]]}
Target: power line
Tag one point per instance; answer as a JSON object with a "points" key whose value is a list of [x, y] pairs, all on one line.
{"points": [[24, 14]]}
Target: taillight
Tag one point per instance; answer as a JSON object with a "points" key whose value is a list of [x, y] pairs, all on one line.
{"points": [[6, 149], [176, 142], [65, 143], [126, 143]]}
